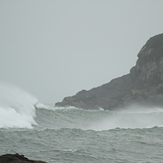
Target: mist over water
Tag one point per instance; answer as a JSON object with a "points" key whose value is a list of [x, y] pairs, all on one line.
{"points": [[137, 117], [16, 107]]}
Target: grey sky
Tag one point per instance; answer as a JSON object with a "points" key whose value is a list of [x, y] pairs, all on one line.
{"points": [[55, 48]]}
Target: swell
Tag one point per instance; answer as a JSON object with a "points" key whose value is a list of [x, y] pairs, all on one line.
{"points": [[99, 120]]}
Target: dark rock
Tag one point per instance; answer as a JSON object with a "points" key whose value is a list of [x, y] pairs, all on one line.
{"points": [[143, 85], [16, 158]]}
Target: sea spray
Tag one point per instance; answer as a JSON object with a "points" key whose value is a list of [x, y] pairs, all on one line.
{"points": [[16, 107], [132, 117]]}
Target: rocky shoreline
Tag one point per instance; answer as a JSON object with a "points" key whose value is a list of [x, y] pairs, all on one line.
{"points": [[16, 158], [143, 85]]}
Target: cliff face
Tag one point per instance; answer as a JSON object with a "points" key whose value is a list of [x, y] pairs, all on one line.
{"points": [[149, 67], [143, 85]]}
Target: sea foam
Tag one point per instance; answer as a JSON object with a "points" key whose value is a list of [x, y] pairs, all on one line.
{"points": [[16, 107]]}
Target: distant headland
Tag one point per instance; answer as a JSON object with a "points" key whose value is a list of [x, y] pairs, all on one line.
{"points": [[143, 85]]}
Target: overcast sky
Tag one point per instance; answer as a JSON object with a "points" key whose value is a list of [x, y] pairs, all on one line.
{"points": [[55, 48]]}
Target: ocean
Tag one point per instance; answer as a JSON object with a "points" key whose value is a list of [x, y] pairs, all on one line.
{"points": [[75, 135]]}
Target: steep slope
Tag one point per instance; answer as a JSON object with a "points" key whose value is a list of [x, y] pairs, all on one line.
{"points": [[143, 85]]}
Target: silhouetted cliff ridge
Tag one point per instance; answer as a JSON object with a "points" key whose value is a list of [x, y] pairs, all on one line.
{"points": [[143, 85]]}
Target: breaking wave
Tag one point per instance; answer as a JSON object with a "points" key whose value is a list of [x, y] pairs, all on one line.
{"points": [[16, 107], [134, 117]]}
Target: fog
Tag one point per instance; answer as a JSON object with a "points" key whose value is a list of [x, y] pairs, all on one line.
{"points": [[55, 48]]}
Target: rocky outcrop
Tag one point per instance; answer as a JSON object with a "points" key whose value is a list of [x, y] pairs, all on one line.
{"points": [[143, 85], [16, 158]]}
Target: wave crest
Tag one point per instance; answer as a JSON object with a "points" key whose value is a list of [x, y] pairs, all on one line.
{"points": [[16, 107]]}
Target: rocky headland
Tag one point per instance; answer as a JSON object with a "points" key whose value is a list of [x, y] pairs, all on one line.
{"points": [[143, 85]]}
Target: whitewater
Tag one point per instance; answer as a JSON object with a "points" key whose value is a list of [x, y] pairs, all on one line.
{"points": [[69, 134]]}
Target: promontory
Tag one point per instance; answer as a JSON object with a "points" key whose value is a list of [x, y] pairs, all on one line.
{"points": [[143, 85]]}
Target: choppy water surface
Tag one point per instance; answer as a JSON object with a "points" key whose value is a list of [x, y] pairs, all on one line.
{"points": [[60, 135], [76, 135]]}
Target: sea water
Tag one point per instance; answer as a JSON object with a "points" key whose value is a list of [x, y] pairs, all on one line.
{"points": [[75, 135]]}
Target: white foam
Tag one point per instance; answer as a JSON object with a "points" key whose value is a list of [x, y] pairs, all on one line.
{"points": [[42, 106], [16, 107], [54, 108]]}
